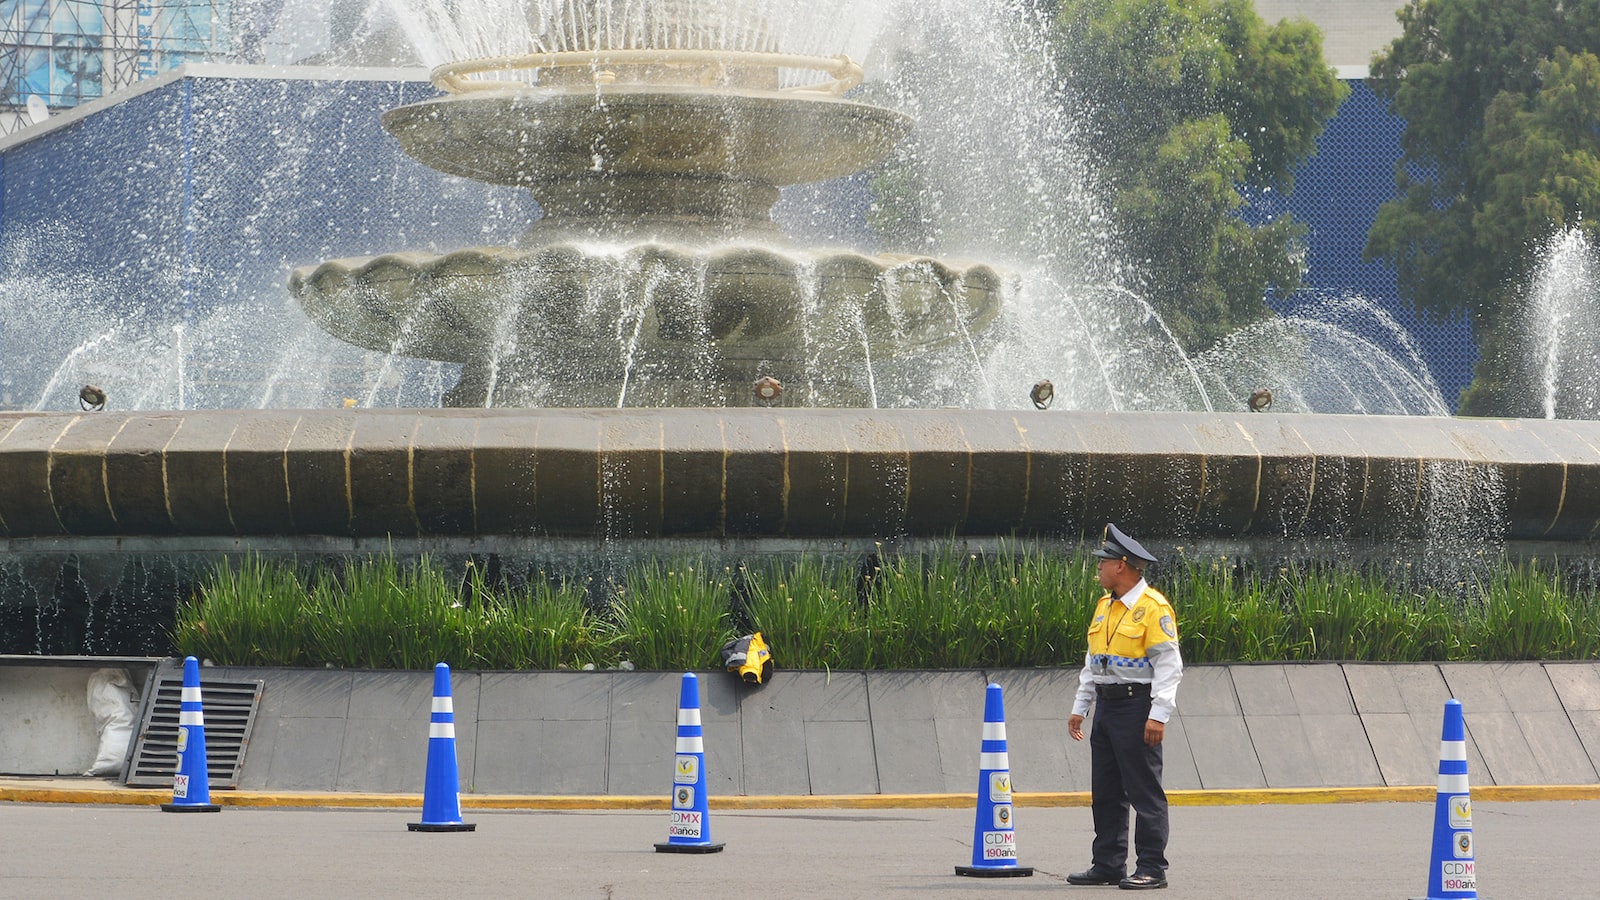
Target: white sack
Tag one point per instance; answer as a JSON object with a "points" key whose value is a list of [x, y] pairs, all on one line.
{"points": [[111, 698]]}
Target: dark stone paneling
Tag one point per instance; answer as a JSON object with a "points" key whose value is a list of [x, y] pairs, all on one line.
{"points": [[756, 472], [818, 470], [380, 476], [693, 461], [255, 462], [77, 475], [507, 472], [442, 474], [25, 507], [878, 475], [1000, 463], [317, 465], [805, 474], [196, 474], [938, 476], [567, 477], [135, 481], [1231, 477]]}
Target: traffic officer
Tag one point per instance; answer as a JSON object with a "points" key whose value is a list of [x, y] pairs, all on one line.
{"points": [[1132, 668]]}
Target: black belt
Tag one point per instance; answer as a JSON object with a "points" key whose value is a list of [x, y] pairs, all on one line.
{"points": [[1122, 691]]}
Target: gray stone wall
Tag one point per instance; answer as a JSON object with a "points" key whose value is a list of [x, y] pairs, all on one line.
{"points": [[612, 733]]}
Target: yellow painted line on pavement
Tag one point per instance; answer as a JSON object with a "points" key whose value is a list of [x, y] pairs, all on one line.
{"points": [[24, 793]]}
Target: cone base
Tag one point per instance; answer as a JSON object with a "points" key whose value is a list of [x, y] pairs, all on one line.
{"points": [[995, 871], [689, 848], [442, 826], [190, 807]]}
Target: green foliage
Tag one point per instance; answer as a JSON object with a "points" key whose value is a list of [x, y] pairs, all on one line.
{"points": [[1500, 99], [807, 611], [1014, 607], [376, 613], [250, 617], [1187, 102], [1226, 615], [674, 615]]}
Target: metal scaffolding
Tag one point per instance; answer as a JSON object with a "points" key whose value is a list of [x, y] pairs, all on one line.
{"points": [[57, 54]]}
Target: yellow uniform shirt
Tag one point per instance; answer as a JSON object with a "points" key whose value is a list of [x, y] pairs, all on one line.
{"points": [[1133, 638], [1121, 637]]}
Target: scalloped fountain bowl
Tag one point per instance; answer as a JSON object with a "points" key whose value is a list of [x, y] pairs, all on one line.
{"points": [[651, 324]]}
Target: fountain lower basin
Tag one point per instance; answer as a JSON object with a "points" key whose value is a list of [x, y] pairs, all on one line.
{"points": [[570, 324]]}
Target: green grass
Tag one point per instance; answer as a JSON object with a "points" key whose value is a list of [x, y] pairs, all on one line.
{"points": [[1013, 606]]}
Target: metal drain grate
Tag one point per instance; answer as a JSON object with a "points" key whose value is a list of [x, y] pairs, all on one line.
{"points": [[230, 713]]}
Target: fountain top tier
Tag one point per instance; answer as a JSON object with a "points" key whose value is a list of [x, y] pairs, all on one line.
{"points": [[686, 144]]}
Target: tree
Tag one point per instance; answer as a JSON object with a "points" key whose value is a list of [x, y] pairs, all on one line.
{"points": [[1501, 100], [1191, 103]]}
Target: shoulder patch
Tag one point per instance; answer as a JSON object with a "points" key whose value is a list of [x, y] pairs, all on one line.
{"points": [[1168, 628]]}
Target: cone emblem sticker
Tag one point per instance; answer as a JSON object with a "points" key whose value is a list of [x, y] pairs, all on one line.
{"points": [[687, 770]]}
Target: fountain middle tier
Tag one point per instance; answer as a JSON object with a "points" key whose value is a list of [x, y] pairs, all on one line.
{"points": [[651, 323]]}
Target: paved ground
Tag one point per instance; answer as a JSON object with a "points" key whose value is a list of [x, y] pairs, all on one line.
{"points": [[1541, 849]]}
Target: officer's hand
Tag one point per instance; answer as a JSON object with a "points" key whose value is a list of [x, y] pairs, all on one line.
{"points": [[1153, 731], [1075, 727]]}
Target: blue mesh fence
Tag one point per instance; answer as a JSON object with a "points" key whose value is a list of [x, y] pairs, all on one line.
{"points": [[1337, 194]]}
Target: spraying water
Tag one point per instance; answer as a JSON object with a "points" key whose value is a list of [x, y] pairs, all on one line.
{"points": [[1000, 176], [1564, 325]]}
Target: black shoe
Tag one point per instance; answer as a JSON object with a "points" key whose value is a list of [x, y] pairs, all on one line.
{"points": [[1143, 881], [1095, 875]]}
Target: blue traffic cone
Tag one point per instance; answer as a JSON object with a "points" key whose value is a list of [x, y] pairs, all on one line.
{"points": [[1450, 873], [441, 795], [994, 838], [191, 781], [690, 830]]}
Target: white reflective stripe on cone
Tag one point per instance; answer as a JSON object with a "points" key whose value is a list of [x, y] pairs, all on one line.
{"points": [[989, 761], [189, 695], [994, 731], [691, 745], [689, 716], [441, 729], [1452, 784], [1452, 750], [443, 704], [191, 717]]}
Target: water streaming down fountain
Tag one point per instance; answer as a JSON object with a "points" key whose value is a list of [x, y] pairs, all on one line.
{"points": [[597, 306]]}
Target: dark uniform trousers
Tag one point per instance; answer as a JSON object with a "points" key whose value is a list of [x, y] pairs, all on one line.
{"points": [[1127, 772]]}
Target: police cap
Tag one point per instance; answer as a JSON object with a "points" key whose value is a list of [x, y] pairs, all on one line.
{"points": [[1120, 546]]}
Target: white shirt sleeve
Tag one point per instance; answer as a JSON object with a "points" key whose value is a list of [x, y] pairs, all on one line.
{"points": [[1167, 662], [1086, 694]]}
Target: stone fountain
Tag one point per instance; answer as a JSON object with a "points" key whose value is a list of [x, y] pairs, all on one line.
{"points": [[656, 276]]}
